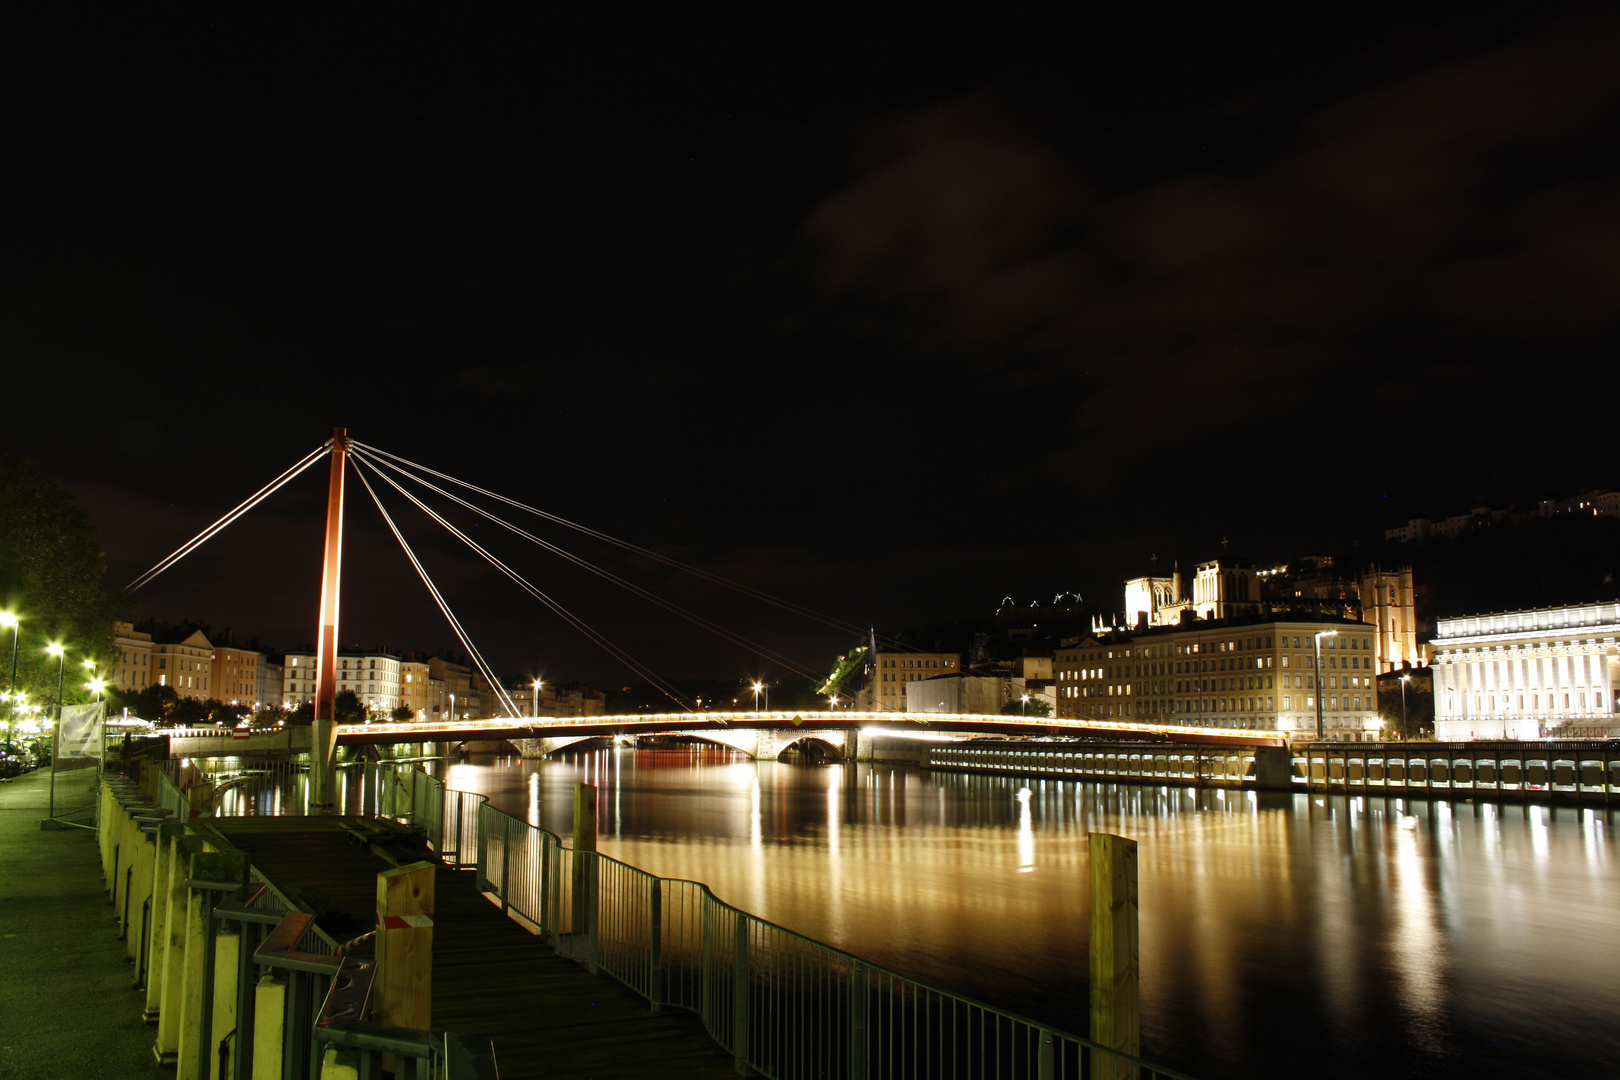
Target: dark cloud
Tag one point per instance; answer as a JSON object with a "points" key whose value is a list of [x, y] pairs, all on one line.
{"points": [[1396, 231]]}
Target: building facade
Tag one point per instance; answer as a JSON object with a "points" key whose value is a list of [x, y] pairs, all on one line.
{"points": [[183, 658], [1542, 673], [1234, 588], [373, 676], [886, 690], [133, 671], [416, 690], [1247, 675], [235, 675]]}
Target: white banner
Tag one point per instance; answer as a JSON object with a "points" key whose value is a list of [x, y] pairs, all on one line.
{"points": [[78, 734]]}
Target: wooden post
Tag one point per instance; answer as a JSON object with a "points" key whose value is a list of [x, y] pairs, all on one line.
{"points": [[1115, 956], [584, 865], [405, 945]]}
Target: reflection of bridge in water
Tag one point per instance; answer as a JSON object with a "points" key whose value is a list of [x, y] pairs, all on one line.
{"points": [[766, 735]]}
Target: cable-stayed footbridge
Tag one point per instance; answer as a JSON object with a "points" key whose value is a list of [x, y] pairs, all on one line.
{"points": [[756, 733]]}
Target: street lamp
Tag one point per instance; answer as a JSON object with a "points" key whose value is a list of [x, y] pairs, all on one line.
{"points": [[1404, 680], [758, 686], [61, 667], [1023, 706], [536, 698], [1320, 682], [832, 703], [452, 706], [9, 619]]}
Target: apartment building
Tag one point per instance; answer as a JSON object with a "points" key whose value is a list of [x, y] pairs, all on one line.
{"points": [[891, 672], [1231, 674], [133, 671]]}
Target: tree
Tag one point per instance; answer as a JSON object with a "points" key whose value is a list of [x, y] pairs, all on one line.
{"points": [[155, 703], [1419, 720], [1034, 707], [347, 708], [50, 577], [845, 668], [403, 714]]}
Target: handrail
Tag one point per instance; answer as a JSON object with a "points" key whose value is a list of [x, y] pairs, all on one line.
{"points": [[673, 942]]}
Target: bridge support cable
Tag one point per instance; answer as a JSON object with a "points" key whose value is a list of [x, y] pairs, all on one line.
{"points": [[438, 598], [567, 616], [646, 594], [253, 500], [707, 575]]}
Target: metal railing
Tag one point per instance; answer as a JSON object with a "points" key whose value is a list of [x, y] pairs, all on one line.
{"points": [[781, 1003], [244, 787], [785, 1005]]}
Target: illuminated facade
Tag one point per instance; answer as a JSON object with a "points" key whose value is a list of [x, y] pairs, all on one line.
{"points": [[235, 674], [1251, 675], [133, 671], [886, 690], [1543, 673], [416, 690], [183, 658], [373, 676], [1234, 588]]}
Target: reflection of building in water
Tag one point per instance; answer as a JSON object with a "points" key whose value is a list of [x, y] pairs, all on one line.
{"points": [[1231, 588], [1547, 672]]}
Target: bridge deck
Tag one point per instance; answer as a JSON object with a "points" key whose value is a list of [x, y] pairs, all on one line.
{"points": [[547, 1015]]}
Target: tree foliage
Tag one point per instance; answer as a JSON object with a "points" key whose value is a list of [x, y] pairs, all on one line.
{"points": [[347, 708], [50, 577], [1034, 707]]}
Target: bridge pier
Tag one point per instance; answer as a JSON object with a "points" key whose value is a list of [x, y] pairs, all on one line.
{"points": [[539, 748]]}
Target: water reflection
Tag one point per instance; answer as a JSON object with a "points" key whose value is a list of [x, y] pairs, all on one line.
{"points": [[1329, 936]]}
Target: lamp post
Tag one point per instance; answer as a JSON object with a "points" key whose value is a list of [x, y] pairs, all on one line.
{"points": [[9, 619], [452, 706], [1320, 682], [536, 698], [1404, 680], [1023, 705], [758, 686]]}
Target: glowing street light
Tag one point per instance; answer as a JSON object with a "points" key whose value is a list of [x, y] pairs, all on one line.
{"points": [[758, 686], [9, 619], [1320, 682], [1404, 680], [536, 711], [1023, 708]]}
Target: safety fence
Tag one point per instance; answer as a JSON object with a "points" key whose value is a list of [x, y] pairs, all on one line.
{"points": [[241, 981], [782, 1004]]}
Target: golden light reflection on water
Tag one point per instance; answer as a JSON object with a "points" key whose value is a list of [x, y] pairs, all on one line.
{"points": [[1338, 936]]}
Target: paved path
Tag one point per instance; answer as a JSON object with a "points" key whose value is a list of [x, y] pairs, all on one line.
{"points": [[67, 1006]]}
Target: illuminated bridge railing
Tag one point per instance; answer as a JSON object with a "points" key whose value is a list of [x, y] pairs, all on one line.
{"points": [[782, 1004], [913, 721]]}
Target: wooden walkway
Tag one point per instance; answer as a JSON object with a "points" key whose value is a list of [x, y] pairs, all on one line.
{"points": [[548, 1016]]}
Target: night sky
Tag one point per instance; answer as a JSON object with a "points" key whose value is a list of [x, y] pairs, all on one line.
{"points": [[887, 315]]}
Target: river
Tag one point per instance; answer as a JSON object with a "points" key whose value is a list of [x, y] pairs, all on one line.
{"points": [[1281, 934]]}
